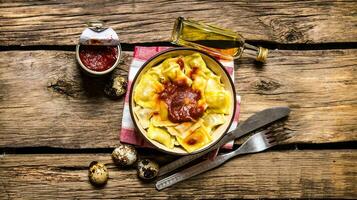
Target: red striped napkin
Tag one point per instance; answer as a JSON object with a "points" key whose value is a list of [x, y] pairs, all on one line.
{"points": [[142, 54]]}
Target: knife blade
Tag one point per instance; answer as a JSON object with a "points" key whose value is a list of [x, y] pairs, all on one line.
{"points": [[254, 122]]}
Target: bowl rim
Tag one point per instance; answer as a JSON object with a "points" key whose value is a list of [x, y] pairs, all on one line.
{"points": [[144, 66], [98, 73]]}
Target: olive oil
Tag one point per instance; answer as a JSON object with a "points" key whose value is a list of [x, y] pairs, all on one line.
{"points": [[216, 41]]}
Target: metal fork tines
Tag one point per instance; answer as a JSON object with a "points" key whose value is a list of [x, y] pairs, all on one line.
{"points": [[262, 141], [256, 143]]}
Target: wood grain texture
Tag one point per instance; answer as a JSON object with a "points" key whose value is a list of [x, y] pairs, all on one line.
{"points": [[319, 86], [61, 22], [46, 101], [288, 174], [50, 102]]}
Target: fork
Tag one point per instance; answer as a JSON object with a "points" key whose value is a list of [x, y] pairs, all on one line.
{"points": [[256, 143]]}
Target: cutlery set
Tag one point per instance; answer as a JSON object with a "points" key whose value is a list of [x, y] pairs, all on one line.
{"points": [[258, 142]]}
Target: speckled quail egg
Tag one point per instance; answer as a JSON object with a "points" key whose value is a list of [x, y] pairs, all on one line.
{"points": [[116, 87], [98, 173], [124, 155], [147, 169]]}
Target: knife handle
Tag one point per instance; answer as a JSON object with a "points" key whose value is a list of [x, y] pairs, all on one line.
{"points": [[190, 172], [179, 163]]}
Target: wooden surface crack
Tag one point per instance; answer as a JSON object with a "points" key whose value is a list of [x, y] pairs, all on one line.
{"points": [[266, 85], [62, 87], [69, 168]]}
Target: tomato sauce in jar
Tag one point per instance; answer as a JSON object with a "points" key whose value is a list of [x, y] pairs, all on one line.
{"points": [[98, 58]]}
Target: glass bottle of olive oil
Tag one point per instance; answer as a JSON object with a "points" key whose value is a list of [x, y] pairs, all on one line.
{"points": [[216, 41]]}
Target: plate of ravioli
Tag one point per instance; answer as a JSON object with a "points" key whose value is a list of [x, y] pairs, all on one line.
{"points": [[182, 101]]}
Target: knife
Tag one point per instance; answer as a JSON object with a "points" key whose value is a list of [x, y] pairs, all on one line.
{"points": [[254, 122]]}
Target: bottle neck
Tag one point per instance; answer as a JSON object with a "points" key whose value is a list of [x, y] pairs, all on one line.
{"points": [[258, 53]]}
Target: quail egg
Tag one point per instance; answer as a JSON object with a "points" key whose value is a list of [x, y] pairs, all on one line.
{"points": [[147, 169], [124, 155], [116, 87], [98, 173]]}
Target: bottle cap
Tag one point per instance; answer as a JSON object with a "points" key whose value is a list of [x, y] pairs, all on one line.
{"points": [[262, 54]]}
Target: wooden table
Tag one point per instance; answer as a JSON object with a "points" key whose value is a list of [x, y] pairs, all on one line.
{"points": [[54, 120]]}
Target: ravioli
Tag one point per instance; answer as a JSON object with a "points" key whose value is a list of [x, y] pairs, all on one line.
{"points": [[143, 115], [157, 73], [218, 99], [147, 90], [161, 135], [196, 60], [197, 139], [212, 120], [185, 129], [200, 84], [158, 122], [174, 71], [170, 90]]}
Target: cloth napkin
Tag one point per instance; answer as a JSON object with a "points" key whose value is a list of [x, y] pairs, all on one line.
{"points": [[142, 54]]}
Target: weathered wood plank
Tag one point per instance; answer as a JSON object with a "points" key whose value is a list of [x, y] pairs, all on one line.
{"points": [[61, 22], [320, 87], [46, 101], [288, 174]]}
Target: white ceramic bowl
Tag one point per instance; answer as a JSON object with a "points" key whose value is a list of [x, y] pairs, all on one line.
{"points": [[212, 64]]}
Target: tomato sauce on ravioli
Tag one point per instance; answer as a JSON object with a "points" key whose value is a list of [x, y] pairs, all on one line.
{"points": [[182, 102]]}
